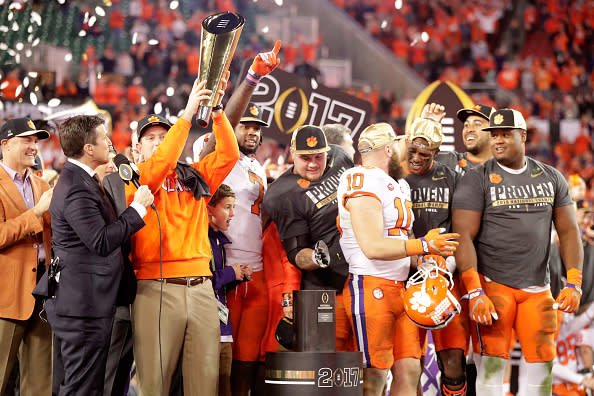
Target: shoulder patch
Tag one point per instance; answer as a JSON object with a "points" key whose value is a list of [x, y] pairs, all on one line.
{"points": [[303, 183], [495, 178]]}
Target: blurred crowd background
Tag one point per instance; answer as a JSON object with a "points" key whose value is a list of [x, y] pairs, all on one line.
{"points": [[134, 57]]}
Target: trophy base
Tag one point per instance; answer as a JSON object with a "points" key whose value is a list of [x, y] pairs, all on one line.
{"points": [[203, 116]]}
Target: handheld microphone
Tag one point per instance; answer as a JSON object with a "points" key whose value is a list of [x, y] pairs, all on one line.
{"points": [[127, 173]]}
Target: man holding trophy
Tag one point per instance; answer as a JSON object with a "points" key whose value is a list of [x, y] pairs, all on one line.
{"points": [[175, 316]]}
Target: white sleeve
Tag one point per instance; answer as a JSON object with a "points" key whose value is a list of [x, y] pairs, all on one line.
{"points": [[581, 321], [565, 374]]}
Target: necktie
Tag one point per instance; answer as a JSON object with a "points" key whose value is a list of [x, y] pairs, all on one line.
{"points": [[96, 178]]}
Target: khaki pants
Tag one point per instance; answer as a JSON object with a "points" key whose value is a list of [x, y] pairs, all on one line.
{"points": [[189, 326], [31, 341]]}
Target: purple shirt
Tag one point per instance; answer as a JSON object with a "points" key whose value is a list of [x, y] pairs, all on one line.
{"points": [[23, 184]]}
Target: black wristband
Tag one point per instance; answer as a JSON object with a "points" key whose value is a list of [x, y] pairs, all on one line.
{"points": [[217, 107]]}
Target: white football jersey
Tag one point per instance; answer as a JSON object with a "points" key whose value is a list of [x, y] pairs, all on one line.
{"points": [[398, 219], [248, 182], [570, 336]]}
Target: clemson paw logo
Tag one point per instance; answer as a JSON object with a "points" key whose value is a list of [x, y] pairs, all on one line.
{"points": [[498, 119], [31, 125], [420, 301], [495, 178], [153, 119], [312, 141], [303, 183], [378, 293], [254, 110], [476, 107], [462, 163]]}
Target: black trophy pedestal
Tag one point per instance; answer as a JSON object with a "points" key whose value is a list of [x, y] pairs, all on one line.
{"points": [[314, 373]]}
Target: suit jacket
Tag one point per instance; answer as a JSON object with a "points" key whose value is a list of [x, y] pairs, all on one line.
{"points": [[87, 236], [18, 247], [115, 189]]}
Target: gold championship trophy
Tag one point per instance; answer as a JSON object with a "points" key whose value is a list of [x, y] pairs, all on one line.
{"points": [[219, 37]]}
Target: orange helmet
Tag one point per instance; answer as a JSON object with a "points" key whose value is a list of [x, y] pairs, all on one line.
{"points": [[427, 300]]}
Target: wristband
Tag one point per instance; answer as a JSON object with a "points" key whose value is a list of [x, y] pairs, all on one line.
{"points": [[574, 278], [473, 294], [252, 78], [217, 107], [319, 263], [471, 279], [414, 247]]}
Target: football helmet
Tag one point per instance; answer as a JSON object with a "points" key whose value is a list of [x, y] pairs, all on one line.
{"points": [[428, 301]]}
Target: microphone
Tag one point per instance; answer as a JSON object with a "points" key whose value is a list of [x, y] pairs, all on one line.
{"points": [[127, 173]]}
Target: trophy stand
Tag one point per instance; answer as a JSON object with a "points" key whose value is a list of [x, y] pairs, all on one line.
{"points": [[315, 368]]}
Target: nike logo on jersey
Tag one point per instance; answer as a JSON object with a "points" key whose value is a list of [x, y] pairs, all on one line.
{"points": [[437, 178], [536, 172]]}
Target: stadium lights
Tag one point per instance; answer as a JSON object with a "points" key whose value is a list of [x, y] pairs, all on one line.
{"points": [[54, 102], [68, 57], [33, 98], [36, 18], [174, 4], [153, 42], [134, 37], [279, 2], [26, 82], [99, 11], [170, 91], [32, 74], [158, 108], [425, 37], [398, 4], [133, 125], [265, 29]]}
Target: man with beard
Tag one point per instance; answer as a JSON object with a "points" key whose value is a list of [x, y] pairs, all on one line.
{"points": [[249, 299], [375, 219], [302, 203], [432, 187], [474, 138]]}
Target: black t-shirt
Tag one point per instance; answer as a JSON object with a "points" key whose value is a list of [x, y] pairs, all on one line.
{"points": [[301, 208], [513, 241], [459, 162], [431, 195]]}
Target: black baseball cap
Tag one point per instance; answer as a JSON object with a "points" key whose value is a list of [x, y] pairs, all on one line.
{"points": [[309, 139], [480, 110], [506, 119], [253, 113], [21, 127], [149, 121]]}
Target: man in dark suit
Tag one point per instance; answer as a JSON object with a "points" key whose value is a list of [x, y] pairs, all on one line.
{"points": [[87, 236]]}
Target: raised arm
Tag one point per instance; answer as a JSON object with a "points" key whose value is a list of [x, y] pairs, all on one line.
{"points": [[263, 64]]}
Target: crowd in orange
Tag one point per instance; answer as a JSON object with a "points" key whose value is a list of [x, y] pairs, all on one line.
{"points": [[552, 80]]}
